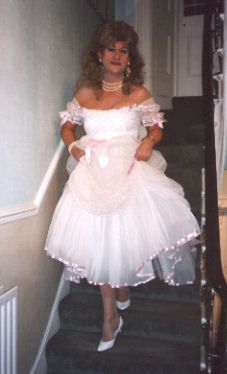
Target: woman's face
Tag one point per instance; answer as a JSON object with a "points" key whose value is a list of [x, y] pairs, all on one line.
{"points": [[115, 59]]}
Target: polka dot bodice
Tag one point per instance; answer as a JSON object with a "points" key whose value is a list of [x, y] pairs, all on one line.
{"points": [[105, 124]]}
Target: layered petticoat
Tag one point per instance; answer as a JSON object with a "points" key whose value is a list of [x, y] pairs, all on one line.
{"points": [[121, 221]]}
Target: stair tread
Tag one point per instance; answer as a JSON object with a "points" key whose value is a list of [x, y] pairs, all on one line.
{"points": [[189, 179], [154, 290], [78, 352], [186, 155], [148, 305], [167, 320]]}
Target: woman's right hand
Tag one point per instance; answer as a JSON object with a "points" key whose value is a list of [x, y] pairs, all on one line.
{"points": [[77, 153], [68, 136]]}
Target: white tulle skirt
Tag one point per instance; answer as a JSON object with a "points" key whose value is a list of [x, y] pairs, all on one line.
{"points": [[120, 221]]}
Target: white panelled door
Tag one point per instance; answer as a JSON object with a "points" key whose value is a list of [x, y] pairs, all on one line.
{"points": [[189, 54], [163, 51]]}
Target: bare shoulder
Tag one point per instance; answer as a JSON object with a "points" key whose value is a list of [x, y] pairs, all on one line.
{"points": [[140, 94], [83, 94]]}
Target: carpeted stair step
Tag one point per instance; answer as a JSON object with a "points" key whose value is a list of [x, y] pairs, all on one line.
{"points": [[190, 180], [188, 109], [154, 290], [164, 320], [186, 125], [184, 163], [72, 352], [186, 155]]}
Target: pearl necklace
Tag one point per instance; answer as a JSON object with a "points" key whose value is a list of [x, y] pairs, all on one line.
{"points": [[111, 87]]}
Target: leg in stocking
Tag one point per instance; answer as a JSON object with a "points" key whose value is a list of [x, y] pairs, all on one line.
{"points": [[111, 316], [122, 294]]}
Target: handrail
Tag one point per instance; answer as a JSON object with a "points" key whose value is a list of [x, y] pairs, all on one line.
{"points": [[215, 282], [214, 271]]}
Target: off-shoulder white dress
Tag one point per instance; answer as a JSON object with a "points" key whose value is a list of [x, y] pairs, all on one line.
{"points": [[121, 221]]}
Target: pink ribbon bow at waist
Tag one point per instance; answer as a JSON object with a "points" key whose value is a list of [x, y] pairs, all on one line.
{"points": [[100, 150]]}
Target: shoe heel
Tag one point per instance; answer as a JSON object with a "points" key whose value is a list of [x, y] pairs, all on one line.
{"points": [[103, 345]]}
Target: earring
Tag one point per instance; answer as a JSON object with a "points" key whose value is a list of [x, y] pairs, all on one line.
{"points": [[101, 65], [128, 71]]}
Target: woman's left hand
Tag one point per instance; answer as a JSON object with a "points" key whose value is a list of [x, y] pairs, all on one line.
{"points": [[144, 151]]}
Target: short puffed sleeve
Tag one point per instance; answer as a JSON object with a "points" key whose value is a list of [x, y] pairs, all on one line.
{"points": [[73, 113], [149, 113]]}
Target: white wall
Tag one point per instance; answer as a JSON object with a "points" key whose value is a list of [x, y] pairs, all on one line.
{"points": [[41, 43]]}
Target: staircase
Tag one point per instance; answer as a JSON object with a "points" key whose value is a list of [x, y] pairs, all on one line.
{"points": [[162, 329]]}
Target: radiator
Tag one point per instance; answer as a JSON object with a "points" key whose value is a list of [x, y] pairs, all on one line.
{"points": [[8, 332]]}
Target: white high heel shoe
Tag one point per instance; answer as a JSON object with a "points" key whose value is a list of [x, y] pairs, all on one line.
{"points": [[104, 346], [122, 305]]}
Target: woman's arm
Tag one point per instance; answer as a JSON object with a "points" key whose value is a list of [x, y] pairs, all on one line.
{"points": [[68, 137], [154, 132], [154, 136], [68, 129]]}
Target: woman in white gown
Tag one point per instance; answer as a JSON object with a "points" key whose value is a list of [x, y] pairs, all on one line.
{"points": [[120, 220]]}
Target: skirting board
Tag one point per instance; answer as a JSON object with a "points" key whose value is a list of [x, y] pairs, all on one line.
{"points": [[53, 325]]}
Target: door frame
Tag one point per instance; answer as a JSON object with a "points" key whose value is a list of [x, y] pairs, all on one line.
{"points": [[178, 3], [143, 10]]}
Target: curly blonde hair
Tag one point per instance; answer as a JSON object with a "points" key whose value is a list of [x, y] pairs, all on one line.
{"points": [[107, 35]]}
